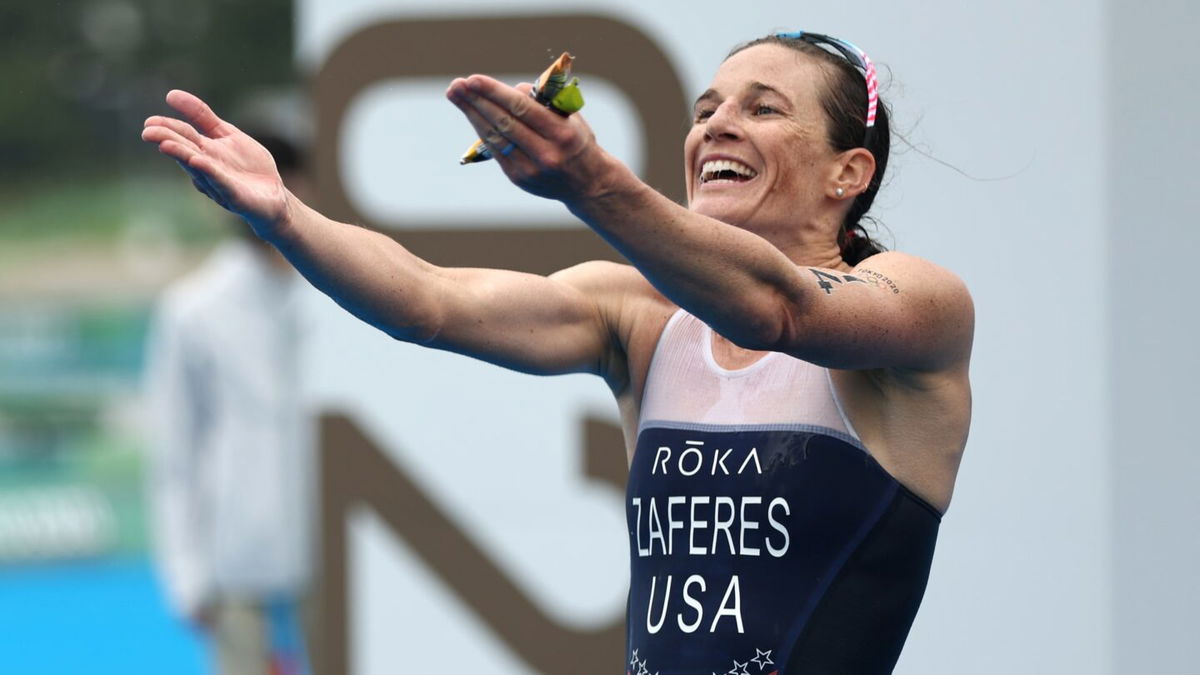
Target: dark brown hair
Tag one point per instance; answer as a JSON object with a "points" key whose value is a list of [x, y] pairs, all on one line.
{"points": [[844, 100]]}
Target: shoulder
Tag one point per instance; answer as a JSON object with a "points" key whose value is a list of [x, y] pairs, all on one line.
{"points": [[620, 290], [928, 293], [616, 285], [603, 275], [903, 273], [913, 267]]}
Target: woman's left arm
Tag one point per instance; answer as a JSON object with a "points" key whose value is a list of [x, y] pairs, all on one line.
{"points": [[892, 311]]}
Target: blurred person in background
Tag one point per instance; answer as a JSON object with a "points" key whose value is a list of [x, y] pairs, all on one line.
{"points": [[231, 478]]}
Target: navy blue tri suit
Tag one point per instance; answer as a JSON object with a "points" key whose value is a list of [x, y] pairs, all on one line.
{"points": [[764, 538]]}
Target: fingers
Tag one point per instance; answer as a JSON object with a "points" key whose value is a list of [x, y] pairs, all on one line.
{"points": [[200, 168], [169, 140], [502, 144], [177, 151], [191, 145], [514, 102], [197, 112], [178, 126], [181, 142], [499, 124]]}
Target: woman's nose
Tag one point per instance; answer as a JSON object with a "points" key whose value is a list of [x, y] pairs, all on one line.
{"points": [[724, 123]]}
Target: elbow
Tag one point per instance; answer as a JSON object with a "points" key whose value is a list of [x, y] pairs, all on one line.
{"points": [[425, 334], [753, 335], [422, 328], [771, 327], [406, 318]]}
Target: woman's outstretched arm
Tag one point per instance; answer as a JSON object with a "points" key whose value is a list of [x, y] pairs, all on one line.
{"points": [[527, 322]]}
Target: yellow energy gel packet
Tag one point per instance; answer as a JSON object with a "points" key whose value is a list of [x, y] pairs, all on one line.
{"points": [[554, 88]]}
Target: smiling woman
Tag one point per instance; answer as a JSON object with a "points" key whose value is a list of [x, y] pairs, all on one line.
{"points": [[844, 100], [795, 402]]}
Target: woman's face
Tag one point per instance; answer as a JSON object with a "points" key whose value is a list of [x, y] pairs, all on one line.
{"points": [[757, 154]]}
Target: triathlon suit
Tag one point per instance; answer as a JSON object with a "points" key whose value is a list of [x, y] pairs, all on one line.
{"points": [[764, 538]]}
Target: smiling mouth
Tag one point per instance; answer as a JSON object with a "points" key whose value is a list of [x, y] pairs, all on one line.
{"points": [[725, 171]]}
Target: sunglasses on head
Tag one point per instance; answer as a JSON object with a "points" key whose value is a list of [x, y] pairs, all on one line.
{"points": [[857, 58]]}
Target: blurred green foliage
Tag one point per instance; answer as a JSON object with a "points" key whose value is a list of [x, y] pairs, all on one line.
{"points": [[80, 76], [95, 209]]}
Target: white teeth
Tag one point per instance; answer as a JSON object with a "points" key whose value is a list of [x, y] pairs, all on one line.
{"points": [[710, 169]]}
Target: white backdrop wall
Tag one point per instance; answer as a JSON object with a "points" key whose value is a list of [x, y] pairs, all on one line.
{"points": [[1011, 94], [1154, 204]]}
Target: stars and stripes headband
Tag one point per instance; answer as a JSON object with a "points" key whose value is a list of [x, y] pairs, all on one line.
{"points": [[855, 56]]}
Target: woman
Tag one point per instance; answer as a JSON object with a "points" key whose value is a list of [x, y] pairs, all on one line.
{"points": [[795, 402]]}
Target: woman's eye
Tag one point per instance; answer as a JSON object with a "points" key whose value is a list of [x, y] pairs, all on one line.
{"points": [[764, 110], [702, 115]]}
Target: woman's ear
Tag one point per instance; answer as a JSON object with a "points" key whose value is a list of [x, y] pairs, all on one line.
{"points": [[853, 174]]}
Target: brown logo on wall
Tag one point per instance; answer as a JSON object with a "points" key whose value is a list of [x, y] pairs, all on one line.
{"points": [[355, 472]]}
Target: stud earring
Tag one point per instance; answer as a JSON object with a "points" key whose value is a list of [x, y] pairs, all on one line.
{"points": [[839, 192]]}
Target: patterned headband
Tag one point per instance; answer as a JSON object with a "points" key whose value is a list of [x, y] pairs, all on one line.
{"points": [[855, 56]]}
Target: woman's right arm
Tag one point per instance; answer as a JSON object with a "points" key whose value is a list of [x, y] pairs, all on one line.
{"points": [[530, 323], [545, 325]]}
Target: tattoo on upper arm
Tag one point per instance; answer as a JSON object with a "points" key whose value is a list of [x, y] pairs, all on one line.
{"points": [[880, 281], [826, 280]]}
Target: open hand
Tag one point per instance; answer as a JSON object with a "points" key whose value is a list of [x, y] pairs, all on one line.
{"points": [[227, 165]]}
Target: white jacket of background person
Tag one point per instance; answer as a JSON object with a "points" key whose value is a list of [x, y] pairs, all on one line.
{"points": [[231, 471]]}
